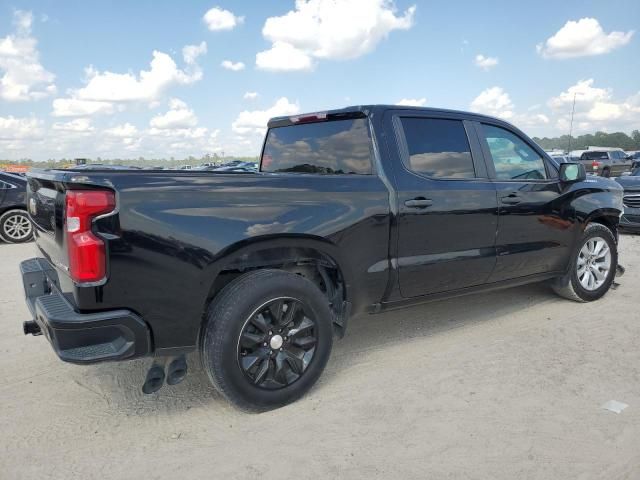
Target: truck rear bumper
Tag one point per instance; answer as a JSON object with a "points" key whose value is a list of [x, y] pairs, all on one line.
{"points": [[80, 337]]}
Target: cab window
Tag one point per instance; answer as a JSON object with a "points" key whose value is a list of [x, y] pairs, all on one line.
{"points": [[513, 159]]}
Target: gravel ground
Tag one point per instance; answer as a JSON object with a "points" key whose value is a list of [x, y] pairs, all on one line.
{"points": [[507, 385]]}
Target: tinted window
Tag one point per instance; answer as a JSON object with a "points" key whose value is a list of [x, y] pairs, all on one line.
{"points": [[438, 148], [339, 146], [595, 155], [512, 157]]}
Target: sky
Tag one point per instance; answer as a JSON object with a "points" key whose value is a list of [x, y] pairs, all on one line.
{"points": [[160, 79]]}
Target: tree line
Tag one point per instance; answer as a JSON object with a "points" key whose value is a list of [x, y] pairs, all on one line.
{"points": [[600, 139]]}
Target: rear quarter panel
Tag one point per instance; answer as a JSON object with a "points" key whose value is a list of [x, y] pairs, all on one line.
{"points": [[175, 232]]}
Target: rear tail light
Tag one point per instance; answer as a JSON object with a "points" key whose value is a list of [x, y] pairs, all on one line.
{"points": [[595, 165], [87, 257]]}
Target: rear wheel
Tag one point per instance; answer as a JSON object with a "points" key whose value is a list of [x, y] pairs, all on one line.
{"points": [[267, 339], [15, 226], [593, 266], [606, 173]]}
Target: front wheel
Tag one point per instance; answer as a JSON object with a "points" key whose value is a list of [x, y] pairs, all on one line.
{"points": [[593, 266], [267, 338], [15, 226]]}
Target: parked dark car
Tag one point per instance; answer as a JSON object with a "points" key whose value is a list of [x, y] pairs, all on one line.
{"points": [[354, 212], [15, 226], [607, 163], [631, 200], [634, 157]]}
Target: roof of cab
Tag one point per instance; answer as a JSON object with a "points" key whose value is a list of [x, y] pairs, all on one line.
{"points": [[366, 110]]}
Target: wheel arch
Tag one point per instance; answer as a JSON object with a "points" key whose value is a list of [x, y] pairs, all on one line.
{"points": [[6, 208], [608, 217], [312, 257]]}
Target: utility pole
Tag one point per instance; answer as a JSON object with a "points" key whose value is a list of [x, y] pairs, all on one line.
{"points": [[573, 109]]}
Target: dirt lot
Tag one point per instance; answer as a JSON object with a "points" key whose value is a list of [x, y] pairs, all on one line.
{"points": [[507, 386]]}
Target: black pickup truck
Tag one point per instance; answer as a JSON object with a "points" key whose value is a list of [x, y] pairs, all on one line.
{"points": [[353, 211]]}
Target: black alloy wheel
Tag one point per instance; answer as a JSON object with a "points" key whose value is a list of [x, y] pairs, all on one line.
{"points": [[266, 338], [277, 343]]}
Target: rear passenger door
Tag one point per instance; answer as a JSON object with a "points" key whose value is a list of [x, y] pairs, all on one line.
{"points": [[535, 231], [447, 208]]}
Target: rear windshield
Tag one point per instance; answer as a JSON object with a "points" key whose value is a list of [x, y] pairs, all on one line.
{"points": [[595, 155], [334, 147]]}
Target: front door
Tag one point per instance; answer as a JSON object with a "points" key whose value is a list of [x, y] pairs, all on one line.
{"points": [[447, 208], [535, 231]]}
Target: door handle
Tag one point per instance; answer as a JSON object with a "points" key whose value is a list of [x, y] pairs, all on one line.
{"points": [[418, 203], [511, 199]]}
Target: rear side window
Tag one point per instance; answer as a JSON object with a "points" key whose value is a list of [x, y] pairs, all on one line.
{"points": [[512, 157], [595, 156], [334, 147], [438, 148]]}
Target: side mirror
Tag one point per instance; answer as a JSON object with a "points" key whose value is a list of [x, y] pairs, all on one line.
{"points": [[572, 172]]}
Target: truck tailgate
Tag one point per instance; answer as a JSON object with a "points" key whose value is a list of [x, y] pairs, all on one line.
{"points": [[45, 202]]}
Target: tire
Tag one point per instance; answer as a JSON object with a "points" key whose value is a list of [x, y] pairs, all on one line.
{"points": [[606, 173], [228, 343], [15, 226], [570, 286]]}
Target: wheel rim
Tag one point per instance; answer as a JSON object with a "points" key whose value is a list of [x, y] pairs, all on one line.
{"points": [[17, 227], [277, 343], [594, 263]]}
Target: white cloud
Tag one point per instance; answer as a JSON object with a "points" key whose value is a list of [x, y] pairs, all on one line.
{"points": [[12, 128], [220, 19], [125, 130], [523, 120], [582, 38], [583, 91], [284, 57], [190, 53], [179, 116], [412, 102], [72, 107], [485, 63], [256, 121], [78, 125], [326, 29], [250, 95], [23, 76], [595, 108], [229, 65], [493, 101], [105, 90], [147, 86]]}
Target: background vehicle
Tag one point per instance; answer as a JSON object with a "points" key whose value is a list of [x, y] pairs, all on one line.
{"points": [[235, 166], [631, 199], [607, 163], [100, 166], [15, 226], [634, 157], [354, 211]]}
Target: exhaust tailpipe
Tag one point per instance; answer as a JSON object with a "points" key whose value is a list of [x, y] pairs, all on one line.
{"points": [[31, 328]]}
